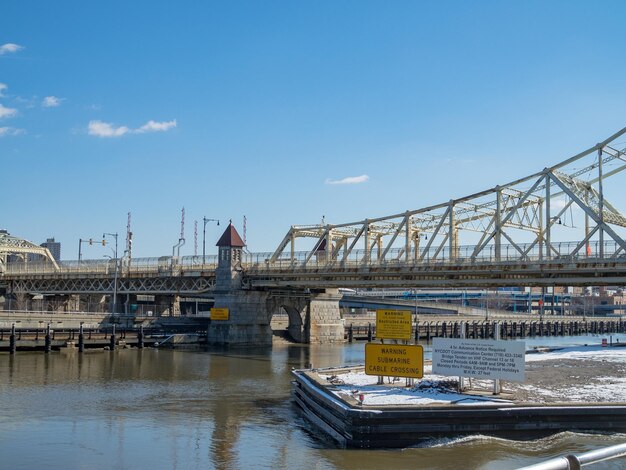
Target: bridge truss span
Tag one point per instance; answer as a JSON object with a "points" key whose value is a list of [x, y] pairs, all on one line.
{"points": [[510, 235], [164, 275], [528, 218], [100, 285]]}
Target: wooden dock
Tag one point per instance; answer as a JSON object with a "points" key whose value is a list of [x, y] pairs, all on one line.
{"points": [[483, 329], [48, 339]]}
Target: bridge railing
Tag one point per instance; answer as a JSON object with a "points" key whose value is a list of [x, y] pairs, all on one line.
{"points": [[463, 255], [165, 265], [395, 257]]}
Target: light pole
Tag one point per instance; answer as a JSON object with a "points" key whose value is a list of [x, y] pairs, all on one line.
{"points": [[116, 269], [204, 221]]}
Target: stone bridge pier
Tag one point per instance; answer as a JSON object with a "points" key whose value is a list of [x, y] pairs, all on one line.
{"points": [[314, 317]]}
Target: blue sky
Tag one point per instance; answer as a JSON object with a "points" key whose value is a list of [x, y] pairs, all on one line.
{"points": [[254, 108]]}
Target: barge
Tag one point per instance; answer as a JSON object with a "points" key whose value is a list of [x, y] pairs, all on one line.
{"points": [[356, 411]]}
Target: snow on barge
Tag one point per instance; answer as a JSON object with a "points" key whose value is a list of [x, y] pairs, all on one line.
{"points": [[575, 389]]}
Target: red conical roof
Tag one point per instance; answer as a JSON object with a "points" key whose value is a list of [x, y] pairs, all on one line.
{"points": [[321, 246], [230, 238]]}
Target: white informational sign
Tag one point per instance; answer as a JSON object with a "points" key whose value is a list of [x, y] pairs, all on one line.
{"points": [[482, 359]]}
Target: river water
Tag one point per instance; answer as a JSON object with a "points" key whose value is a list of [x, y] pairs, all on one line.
{"points": [[163, 409]]}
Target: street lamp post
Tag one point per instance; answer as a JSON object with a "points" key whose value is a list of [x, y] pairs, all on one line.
{"points": [[116, 270], [204, 221]]}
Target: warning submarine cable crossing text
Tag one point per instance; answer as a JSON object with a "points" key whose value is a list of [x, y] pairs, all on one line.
{"points": [[396, 361]]}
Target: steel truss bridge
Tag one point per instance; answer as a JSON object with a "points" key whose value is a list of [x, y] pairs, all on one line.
{"points": [[510, 235]]}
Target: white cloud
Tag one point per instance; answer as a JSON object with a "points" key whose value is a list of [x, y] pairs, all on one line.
{"points": [[2, 88], [9, 48], [7, 112], [349, 180], [104, 129], [154, 126], [5, 131], [51, 101]]}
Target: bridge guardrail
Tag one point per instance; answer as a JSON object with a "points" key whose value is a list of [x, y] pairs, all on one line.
{"points": [[509, 253], [261, 262], [162, 265]]}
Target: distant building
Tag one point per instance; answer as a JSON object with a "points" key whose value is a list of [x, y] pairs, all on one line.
{"points": [[54, 247]]}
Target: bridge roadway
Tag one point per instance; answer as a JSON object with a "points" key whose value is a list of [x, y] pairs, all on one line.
{"points": [[195, 276]]}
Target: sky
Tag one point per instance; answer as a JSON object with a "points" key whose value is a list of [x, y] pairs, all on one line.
{"points": [[287, 111]]}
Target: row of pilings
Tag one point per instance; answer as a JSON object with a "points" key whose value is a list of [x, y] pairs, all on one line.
{"points": [[108, 337], [508, 329]]}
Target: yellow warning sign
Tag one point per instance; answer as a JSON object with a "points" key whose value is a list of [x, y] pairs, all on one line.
{"points": [[394, 360], [394, 324], [219, 313]]}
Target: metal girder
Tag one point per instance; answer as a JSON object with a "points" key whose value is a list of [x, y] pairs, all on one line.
{"points": [[525, 204], [10, 245], [585, 190], [87, 285], [581, 272]]}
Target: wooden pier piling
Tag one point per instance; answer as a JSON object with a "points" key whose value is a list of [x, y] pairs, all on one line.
{"points": [[48, 340], [112, 339], [12, 345], [81, 339]]}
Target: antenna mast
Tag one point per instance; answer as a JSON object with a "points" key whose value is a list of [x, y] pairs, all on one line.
{"points": [[195, 238], [182, 225], [244, 229], [129, 238]]}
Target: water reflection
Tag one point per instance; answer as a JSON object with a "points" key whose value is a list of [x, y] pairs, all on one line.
{"points": [[191, 409]]}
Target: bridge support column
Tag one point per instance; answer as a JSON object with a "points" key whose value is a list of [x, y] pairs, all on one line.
{"points": [[325, 322], [73, 303], [175, 309], [248, 323], [313, 317]]}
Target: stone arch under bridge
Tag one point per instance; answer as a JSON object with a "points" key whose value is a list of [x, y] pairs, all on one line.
{"points": [[313, 317], [298, 312]]}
